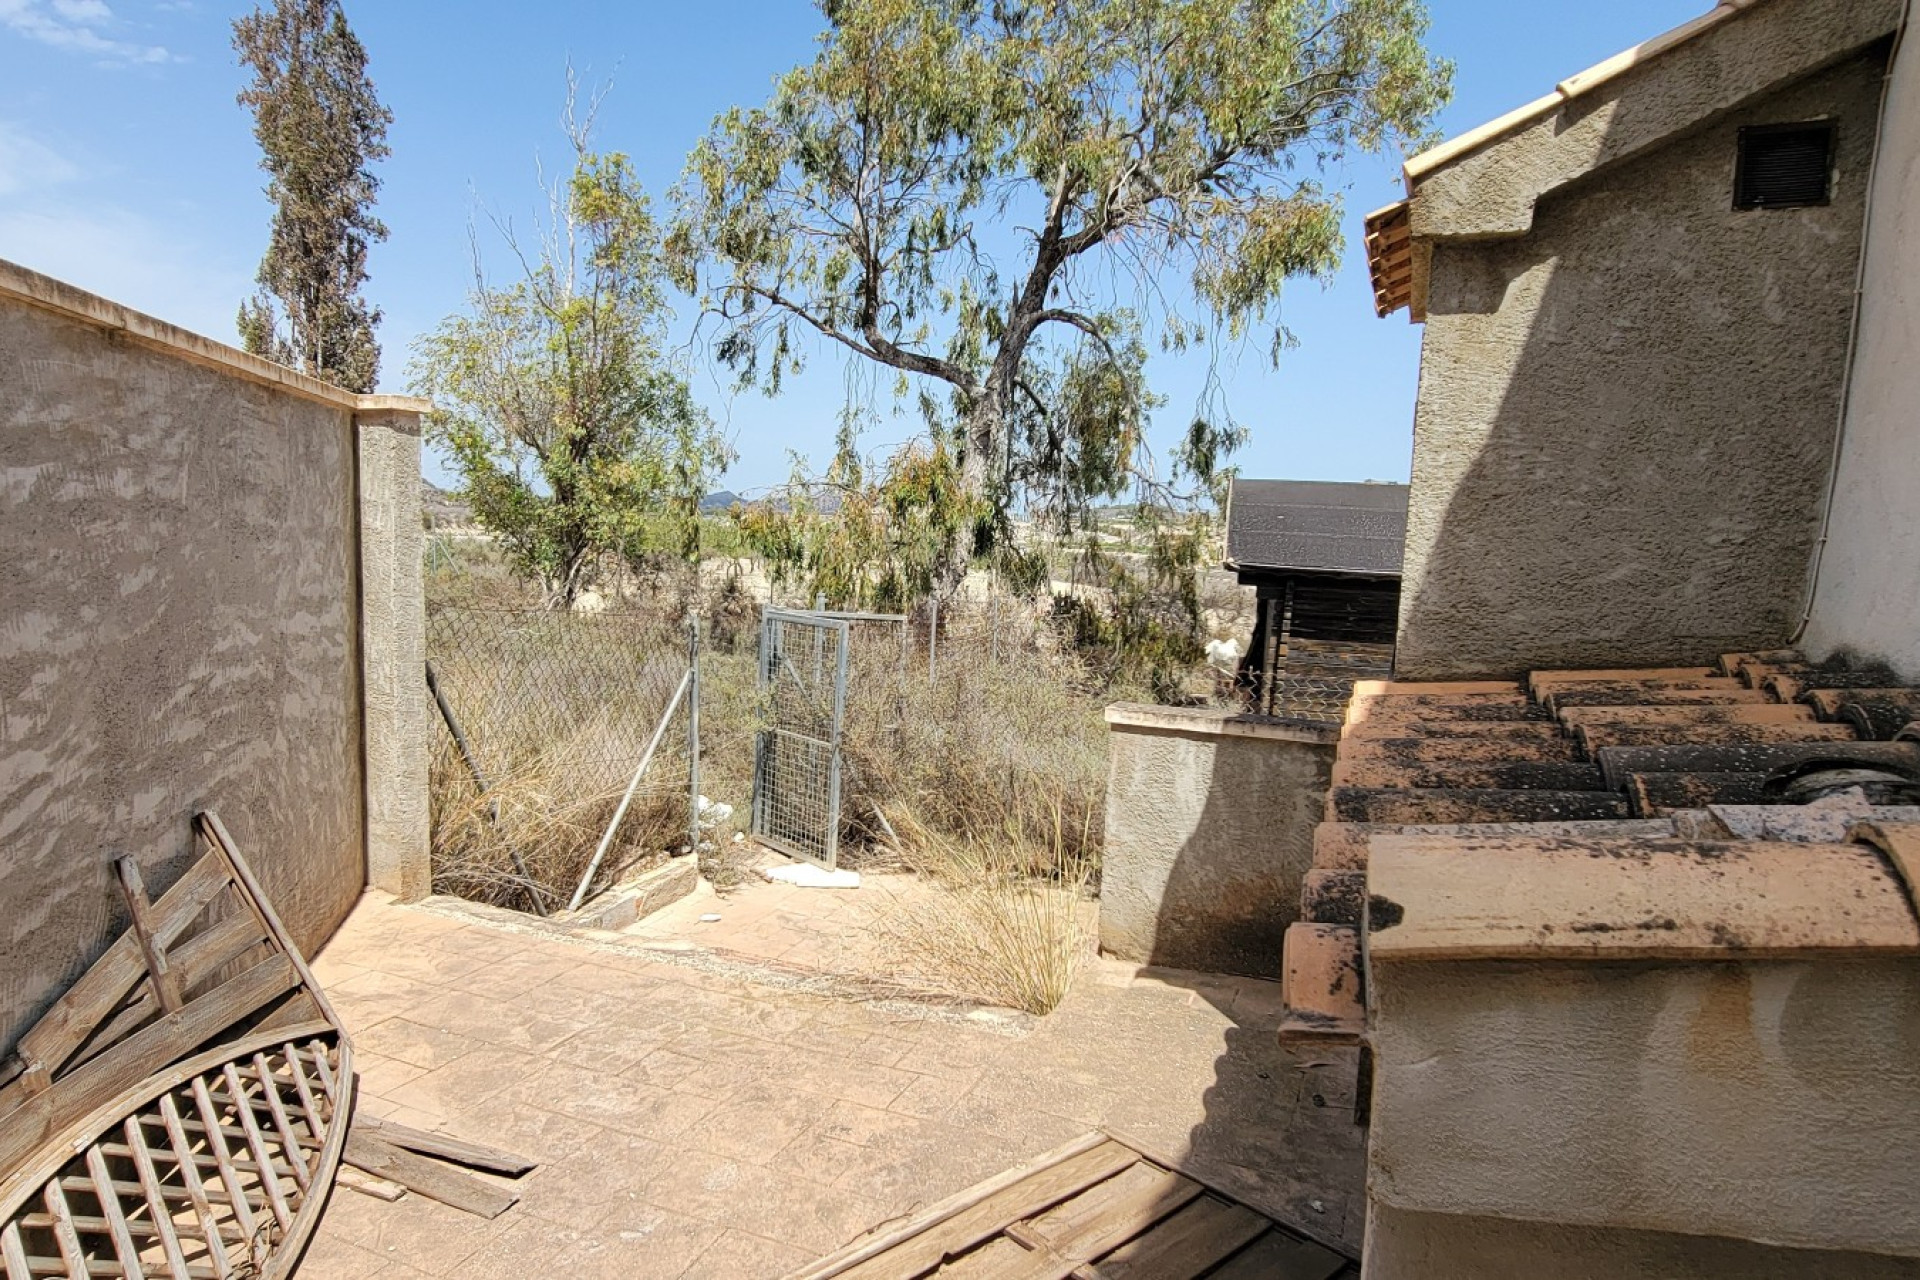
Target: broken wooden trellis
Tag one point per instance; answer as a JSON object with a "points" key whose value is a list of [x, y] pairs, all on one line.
{"points": [[183, 1111]]}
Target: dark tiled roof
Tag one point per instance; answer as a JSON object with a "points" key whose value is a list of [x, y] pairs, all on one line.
{"points": [[1317, 526]]}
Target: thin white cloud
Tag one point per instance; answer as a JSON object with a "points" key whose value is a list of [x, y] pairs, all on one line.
{"points": [[28, 164], [78, 26]]}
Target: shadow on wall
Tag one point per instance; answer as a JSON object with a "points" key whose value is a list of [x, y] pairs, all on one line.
{"points": [[1234, 816], [1626, 417]]}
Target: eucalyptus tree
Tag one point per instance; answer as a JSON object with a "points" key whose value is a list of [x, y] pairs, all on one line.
{"points": [[575, 435], [1003, 203], [320, 127]]}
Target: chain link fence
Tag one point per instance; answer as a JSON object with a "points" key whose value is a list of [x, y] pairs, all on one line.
{"points": [[545, 717]]}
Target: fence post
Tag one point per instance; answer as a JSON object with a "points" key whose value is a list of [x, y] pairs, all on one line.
{"points": [[693, 735]]}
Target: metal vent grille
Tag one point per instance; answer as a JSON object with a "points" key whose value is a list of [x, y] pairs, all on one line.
{"points": [[1784, 166]]}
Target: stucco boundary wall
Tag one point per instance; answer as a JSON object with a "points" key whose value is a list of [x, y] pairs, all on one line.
{"points": [[1209, 831], [214, 599]]}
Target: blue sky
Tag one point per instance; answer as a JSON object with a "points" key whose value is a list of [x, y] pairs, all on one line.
{"points": [[127, 168]]}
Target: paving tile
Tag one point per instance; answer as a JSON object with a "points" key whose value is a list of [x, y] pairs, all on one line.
{"points": [[933, 1097], [501, 1022], [716, 1078], [467, 1080], [611, 1101], [756, 1123], [739, 1256], [612, 1169], [416, 1044], [615, 1046], [413, 1230], [538, 1134], [639, 1242]]}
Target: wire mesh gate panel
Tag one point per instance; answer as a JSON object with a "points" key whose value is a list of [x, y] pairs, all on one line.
{"points": [[796, 754]]}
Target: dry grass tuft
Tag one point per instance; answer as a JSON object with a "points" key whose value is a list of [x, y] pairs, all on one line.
{"points": [[993, 929]]}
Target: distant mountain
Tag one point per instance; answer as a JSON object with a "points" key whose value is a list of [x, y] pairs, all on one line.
{"points": [[724, 500], [443, 510]]}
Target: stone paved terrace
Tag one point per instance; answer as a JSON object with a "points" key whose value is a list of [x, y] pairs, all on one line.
{"points": [[699, 1112]]}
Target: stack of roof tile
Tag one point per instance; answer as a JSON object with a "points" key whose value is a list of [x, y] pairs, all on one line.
{"points": [[1600, 758]]}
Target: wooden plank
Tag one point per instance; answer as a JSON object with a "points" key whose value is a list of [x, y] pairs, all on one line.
{"points": [[196, 1189], [290, 1142], [475, 1154], [200, 956], [116, 1219], [1279, 1256], [318, 1048], [1069, 1217], [166, 983], [368, 1185], [1120, 1222], [1394, 806], [309, 1105], [158, 1210], [137, 1057], [1529, 898], [256, 900], [63, 1233], [72, 1019], [229, 1177], [861, 1250], [13, 1254], [257, 1143], [434, 1181], [945, 1232], [1206, 1232]]}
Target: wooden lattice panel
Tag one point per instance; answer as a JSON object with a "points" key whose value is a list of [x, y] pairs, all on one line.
{"points": [[181, 1111]]}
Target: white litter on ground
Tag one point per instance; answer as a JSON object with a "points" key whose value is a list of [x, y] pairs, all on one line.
{"points": [[710, 919], [808, 876]]}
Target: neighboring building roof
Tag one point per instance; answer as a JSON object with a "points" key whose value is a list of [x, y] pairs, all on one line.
{"points": [[1317, 526], [1779, 41]]}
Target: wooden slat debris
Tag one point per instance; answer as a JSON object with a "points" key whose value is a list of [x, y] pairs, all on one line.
{"points": [[1096, 1209], [157, 1126], [429, 1178]]}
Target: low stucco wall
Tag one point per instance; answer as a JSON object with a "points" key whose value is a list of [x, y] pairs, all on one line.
{"points": [[1626, 416], [1771, 1102], [1209, 830], [1868, 594], [183, 627]]}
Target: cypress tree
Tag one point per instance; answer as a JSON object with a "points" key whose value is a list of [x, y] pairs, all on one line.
{"points": [[320, 127]]}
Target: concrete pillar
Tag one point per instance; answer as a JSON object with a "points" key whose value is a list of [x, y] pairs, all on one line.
{"points": [[393, 651]]}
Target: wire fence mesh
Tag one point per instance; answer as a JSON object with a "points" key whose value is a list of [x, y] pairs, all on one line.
{"points": [[555, 709]]}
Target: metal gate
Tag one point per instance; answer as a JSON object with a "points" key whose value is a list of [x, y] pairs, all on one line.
{"points": [[796, 753]]}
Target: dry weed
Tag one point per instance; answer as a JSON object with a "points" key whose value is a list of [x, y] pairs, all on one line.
{"points": [[991, 929]]}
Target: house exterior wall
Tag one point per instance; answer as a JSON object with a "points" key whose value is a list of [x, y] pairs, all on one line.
{"points": [[183, 628], [1867, 598], [1209, 830], [1625, 416]]}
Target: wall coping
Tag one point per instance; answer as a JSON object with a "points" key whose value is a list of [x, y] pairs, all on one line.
{"points": [[19, 284], [1217, 722]]}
